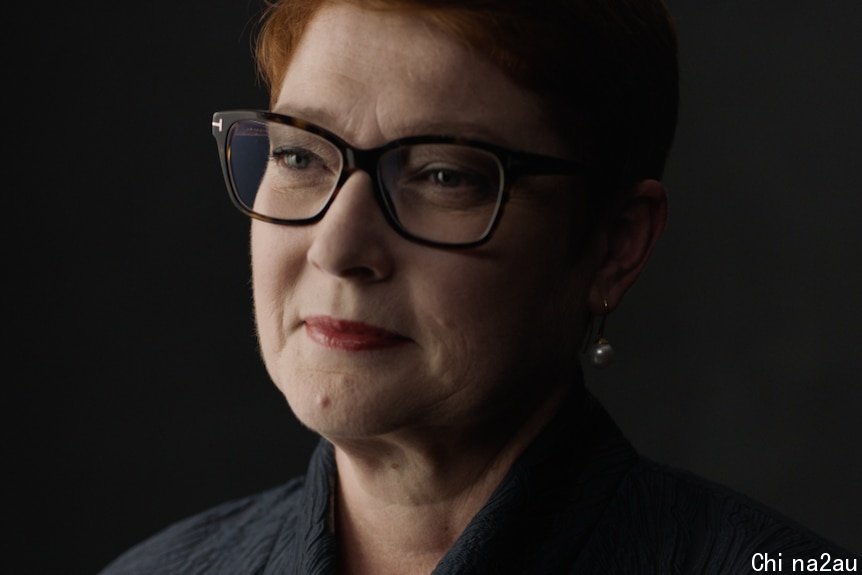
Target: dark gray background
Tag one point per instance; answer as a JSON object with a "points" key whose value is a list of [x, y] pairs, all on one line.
{"points": [[137, 394]]}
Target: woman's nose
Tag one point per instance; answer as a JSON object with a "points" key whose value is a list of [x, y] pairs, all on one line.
{"points": [[352, 240]]}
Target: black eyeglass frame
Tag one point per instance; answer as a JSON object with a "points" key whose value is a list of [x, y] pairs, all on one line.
{"points": [[514, 164]]}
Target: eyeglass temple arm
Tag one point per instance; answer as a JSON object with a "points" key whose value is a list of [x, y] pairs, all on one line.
{"points": [[525, 163]]}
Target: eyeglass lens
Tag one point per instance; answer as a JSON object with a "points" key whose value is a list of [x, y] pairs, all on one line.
{"points": [[440, 192]]}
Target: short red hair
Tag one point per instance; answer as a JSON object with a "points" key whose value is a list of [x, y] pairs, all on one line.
{"points": [[607, 69]]}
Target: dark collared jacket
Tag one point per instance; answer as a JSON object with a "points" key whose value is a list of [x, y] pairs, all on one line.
{"points": [[579, 500]]}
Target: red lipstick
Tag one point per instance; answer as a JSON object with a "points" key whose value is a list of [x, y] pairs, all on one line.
{"points": [[350, 335]]}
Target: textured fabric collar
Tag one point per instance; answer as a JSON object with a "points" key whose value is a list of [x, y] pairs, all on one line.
{"points": [[543, 512], [537, 519]]}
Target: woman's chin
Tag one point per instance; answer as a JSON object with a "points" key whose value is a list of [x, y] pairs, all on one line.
{"points": [[346, 406]]}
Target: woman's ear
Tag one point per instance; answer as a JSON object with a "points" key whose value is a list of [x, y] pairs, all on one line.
{"points": [[627, 240]]}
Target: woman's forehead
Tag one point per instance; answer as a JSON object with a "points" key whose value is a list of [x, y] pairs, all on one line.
{"points": [[373, 76]]}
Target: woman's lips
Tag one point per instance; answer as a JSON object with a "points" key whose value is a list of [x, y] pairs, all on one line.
{"points": [[350, 335]]}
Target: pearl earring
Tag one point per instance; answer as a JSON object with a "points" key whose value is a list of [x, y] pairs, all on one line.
{"points": [[600, 352]]}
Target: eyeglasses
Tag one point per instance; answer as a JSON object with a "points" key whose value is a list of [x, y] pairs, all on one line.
{"points": [[441, 191]]}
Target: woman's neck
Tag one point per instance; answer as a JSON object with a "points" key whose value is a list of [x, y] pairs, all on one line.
{"points": [[403, 500]]}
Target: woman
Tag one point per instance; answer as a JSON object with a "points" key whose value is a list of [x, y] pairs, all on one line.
{"points": [[444, 199]]}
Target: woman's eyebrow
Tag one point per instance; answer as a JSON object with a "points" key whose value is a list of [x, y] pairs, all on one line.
{"points": [[451, 127], [326, 118], [314, 114]]}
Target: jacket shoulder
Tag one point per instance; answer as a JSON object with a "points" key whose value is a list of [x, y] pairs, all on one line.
{"points": [[236, 533], [683, 523]]}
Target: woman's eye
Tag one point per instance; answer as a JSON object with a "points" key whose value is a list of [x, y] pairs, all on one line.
{"points": [[447, 178], [294, 159], [297, 161]]}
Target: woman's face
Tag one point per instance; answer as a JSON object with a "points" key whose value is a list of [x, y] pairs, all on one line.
{"points": [[470, 334]]}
